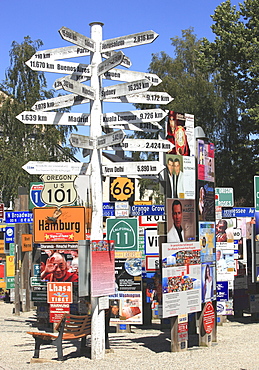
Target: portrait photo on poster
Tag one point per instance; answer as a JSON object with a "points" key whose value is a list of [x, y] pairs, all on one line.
{"points": [[208, 281], [181, 224], [206, 201]]}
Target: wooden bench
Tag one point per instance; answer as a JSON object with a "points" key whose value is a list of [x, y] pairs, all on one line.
{"points": [[70, 327]]}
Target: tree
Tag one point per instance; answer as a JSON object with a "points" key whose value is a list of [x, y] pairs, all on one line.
{"points": [[21, 143]]}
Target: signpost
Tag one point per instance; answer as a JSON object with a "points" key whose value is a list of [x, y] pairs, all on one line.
{"points": [[54, 168], [133, 117], [126, 62], [54, 118], [55, 66], [61, 53], [113, 138], [59, 102], [124, 75], [76, 87], [150, 97], [132, 168], [76, 38], [144, 145], [110, 63], [126, 88]]}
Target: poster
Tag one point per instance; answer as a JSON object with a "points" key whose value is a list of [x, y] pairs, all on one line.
{"points": [[206, 168], [102, 267], [206, 201], [208, 278], [181, 278], [207, 241], [181, 224]]}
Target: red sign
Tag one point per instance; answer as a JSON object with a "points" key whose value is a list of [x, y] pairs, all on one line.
{"points": [[57, 310], [208, 317], [1, 210], [59, 292]]}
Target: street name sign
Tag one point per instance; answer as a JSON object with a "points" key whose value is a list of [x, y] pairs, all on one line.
{"points": [[56, 168], [129, 76], [76, 38], [110, 63], [125, 88], [151, 97], [71, 51], [59, 102], [145, 145], [135, 116], [76, 87], [59, 66], [54, 118], [126, 62], [110, 139], [132, 168], [135, 39], [81, 141]]}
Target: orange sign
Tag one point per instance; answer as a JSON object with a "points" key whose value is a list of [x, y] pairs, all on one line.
{"points": [[1, 246], [10, 266], [59, 292], [53, 225], [26, 242]]}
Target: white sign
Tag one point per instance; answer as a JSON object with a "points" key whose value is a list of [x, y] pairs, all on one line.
{"points": [[151, 97], [58, 190], [71, 51], [135, 39], [151, 242], [76, 38], [56, 168], [126, 62], [151, 220], [81, 141], [142, 126], [59, 102], [124, 75], [132, 168], [237, 233], [110, 63], [76, 87], [54, 118], [135, 116], [58, 66], [144, 145], [110, 139], [125, 88]]}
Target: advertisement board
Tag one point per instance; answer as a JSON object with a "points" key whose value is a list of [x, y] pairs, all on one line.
{"points": [[59, 292]]}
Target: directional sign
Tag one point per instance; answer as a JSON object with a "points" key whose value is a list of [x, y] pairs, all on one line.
{"points": [[125, 62], [125, 89], [54, 118], [76, 87], [58, 102], [135, 116], [110, 63], [124, 75], [58, 66], [76, 38], [122, 42], [143, 126], [144, 145], [81, 141], [55, 168], [132, 168], [151, 97], [59, 190], [110, 139], [61, 53]]}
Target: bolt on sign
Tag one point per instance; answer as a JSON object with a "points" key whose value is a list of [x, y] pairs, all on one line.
{"points": [[59, 292], [26, 242], [53, 225]]}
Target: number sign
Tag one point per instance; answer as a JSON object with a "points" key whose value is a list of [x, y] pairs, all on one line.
{"points": [[122, 188], [124, 232]]}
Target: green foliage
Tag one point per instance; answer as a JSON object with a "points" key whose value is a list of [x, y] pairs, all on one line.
{"points": [[21, 143]]}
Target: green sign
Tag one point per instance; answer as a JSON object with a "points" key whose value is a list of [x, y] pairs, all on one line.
{"points": [[224, 197], [124, 231], [10, 284], [11, 249], [256, 192]]}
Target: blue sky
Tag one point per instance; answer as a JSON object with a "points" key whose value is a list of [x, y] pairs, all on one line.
{"points": [[43, 19]]}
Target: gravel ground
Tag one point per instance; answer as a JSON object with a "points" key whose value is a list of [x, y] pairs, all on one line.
{"points": [[236, 348]]}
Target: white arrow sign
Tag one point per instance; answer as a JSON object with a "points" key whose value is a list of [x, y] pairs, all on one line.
{"points": [[58, 66], [76, 87], [56, 168], [110, 63], [76, 38], [122, 42], [61, 53], [81, 141], [143, 126], [132, 168], [125, 88], [58, 102], [129, 76], [135, 116], [126, 62], [54, 118], [110, 139], [151, 97], [144, 145]]}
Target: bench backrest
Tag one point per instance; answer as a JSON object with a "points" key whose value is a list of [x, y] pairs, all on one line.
{"points": [[75, 324]]}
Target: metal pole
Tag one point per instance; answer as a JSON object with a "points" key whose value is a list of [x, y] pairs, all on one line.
{"points": [[98, 322]]}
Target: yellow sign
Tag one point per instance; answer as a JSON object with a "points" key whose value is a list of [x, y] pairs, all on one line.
{"points": [[1, 246], [143, 202], [26, 242], [10, 266], [122, 188]]}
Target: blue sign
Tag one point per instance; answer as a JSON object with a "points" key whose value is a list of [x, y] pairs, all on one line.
{"points": [[9, 234], [238, 212], [148, 210], [19, 217], [222, 291], [108, 209]]}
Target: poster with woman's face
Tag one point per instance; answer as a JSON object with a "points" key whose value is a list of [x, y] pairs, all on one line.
{"points": [[208, 281]]}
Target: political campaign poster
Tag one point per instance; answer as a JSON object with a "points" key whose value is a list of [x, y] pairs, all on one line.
{"points": [[205, 159], [226, 265], [181, 278], [208, 278], [179, 176], [206, 201], [181, 224], [207, 241], [102, 267], [224, 233]]}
